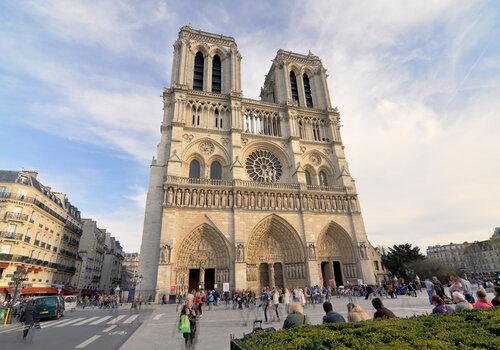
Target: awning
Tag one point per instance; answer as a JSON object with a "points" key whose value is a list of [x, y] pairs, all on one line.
{"points": [[4, 265], [44, 290], [6, 290]]}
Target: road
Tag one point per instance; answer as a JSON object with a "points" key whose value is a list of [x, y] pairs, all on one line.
{"points": [[81, 329]]}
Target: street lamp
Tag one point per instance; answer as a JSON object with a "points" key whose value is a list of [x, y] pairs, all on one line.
{"points": [[18, 277]]}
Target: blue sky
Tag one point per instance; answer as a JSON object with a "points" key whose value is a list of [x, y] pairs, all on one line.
{"points": [[417, 84]]}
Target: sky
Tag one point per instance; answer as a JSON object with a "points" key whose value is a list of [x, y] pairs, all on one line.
{"points": [[417, 84]]}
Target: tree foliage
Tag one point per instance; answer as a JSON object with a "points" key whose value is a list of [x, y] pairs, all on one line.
{"points": [[398, 259], [428, 268]]}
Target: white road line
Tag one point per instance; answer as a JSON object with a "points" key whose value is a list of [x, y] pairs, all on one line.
{"points": [[131, 319], [87, 342], [85, 321], [115, 320], [69, 322], [157, 317], [101, 320], [109, 328], [53, 324], [49, 322]]}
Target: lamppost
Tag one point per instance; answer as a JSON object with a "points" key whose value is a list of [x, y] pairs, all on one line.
{"points": [[18, 277]]}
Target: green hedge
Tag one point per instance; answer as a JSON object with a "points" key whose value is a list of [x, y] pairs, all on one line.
{"points": [[475, 329]]}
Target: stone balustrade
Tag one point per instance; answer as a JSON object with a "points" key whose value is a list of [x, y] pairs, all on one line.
{"points": [[252, 195]]}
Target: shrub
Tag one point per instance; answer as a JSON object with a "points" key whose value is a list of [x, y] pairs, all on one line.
{"points": [[474, 329]]}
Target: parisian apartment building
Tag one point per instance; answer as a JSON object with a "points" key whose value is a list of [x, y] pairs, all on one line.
{"points": [[101, 258], [112, 265], [130, 267], [40, 232], [479, 258]]}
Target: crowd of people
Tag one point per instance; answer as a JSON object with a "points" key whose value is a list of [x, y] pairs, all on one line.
{"points": [[271, 301]]}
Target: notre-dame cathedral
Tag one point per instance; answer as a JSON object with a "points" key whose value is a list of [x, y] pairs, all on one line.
{"points": [[250, 192]]}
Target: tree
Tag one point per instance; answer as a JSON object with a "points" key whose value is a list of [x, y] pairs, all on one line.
{"points": [[398, 258], [428, 268]]}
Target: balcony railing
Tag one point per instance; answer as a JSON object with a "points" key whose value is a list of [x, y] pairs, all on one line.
{"points": [[16, 216], [178, 180], [11, 235]]}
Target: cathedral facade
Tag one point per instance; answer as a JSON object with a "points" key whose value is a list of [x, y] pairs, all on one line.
{"points": [[250, 193]]}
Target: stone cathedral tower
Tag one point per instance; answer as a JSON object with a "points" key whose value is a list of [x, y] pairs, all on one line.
{"points": [[250, 192]]}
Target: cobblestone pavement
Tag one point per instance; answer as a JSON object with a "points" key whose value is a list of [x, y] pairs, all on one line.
{"points": [[215, 327]]}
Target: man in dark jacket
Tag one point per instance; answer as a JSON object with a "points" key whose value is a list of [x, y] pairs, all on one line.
{"points": [[331, 316], [296, 318], [28, 317], [382, 311]]}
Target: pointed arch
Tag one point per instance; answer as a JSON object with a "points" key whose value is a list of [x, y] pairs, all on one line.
{"points": [[293, 87], [216, 74], [335, 243]]}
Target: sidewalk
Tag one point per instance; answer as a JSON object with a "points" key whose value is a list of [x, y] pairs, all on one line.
{"points": [[214, 328]]}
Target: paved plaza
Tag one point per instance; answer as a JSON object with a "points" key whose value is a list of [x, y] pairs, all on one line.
{"points": [[215, 327]]}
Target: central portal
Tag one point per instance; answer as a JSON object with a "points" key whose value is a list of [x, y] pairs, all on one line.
{"points": [[209, 279], [275, 256]]}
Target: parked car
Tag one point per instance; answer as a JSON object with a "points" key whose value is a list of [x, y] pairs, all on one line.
{"points": [[49, 306], [70, 302]]}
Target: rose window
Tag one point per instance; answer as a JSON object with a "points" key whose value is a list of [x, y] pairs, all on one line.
{"points": [[263, 166]]}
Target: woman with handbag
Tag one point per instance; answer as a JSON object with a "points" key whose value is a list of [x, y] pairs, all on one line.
{"points": [[187, 321]]}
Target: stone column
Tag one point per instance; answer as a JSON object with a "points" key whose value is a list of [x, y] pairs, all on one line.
{"points": [[271, 275], [202, 278]]}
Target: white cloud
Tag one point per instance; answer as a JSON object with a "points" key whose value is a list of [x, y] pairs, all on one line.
{"points": [[125, 223]]}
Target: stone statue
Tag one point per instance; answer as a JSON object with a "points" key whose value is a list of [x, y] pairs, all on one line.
{"points": [[165, 251], [312, 251], [195, 198], [187, 197], [179, 197], [240, 253], [170, 196]]}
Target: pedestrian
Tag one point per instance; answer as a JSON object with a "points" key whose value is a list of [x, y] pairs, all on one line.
{"points": [[455, 285], [356, 313], [28, 317], [496, 300], [276, 302], [482, 302], [368, 292], [286, 299], [438, 287], [192, 313], [330, 315], [382, 311], [440, 307], [296, 317], [429, 287], [460, 302], [467, 288]]}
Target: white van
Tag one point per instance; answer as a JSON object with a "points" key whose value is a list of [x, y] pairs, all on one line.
{"points": [[70, 302]]}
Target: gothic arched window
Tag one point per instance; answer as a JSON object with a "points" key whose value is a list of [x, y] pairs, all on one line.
{"points": [[216, 116], [293, 86], [307, 90], [194, 169], [323, 179], [301, 130], [215, 171], [198, 71], [308, 177], [216, 74]]}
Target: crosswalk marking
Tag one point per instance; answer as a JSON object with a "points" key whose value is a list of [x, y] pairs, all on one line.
{"points": [[53, 323], [131, 319], [109, 328], [87, 342], [85, 321], [157, 317], [68, 322], [115, 320], [101, 320]]}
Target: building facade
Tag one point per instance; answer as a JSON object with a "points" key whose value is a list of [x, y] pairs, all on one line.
{"points": [[91, 251], [112, 264], [130, 275], [39, 231], [480, 258], [250, 192]]}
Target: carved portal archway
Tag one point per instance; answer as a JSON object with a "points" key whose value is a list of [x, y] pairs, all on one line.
{"points": [[275, 255], [203, 254], [336, 255]]}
